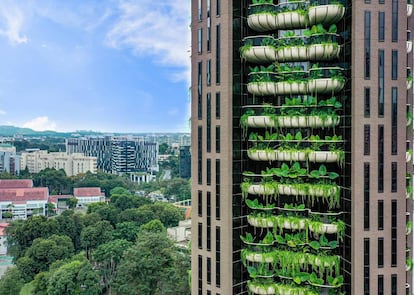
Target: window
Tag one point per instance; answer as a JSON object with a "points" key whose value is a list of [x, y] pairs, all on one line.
{"points": [[218, 256], [367, 44], [208, 270], [200, 40], [380, 252], [367, 131], [366, 266], [200, 154], [208, 123], [394, 233], [380, 215], [380, 285], [394, 65], [218, 53], [394, 120], [381, 26], [200, 275], [394, 20], [208, 73], [200, 10], [208, 239], [366, 196], [218, 189], [367, 102], [200, 90], [217, 105], [200, 235], [218, 8], [381, 82], [200, 203], [394, 177], [217, 139], [208, 34], [208, 171], [381, 158], [393, 284]]}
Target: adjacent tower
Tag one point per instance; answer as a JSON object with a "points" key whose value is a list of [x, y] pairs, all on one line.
{"points": [[301, 147]]}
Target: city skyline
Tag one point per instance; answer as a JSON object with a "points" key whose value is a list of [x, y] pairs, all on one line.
{"points": [[95, 65]]}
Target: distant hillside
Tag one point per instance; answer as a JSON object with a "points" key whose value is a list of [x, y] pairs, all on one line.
{"points": [[13, 130]]}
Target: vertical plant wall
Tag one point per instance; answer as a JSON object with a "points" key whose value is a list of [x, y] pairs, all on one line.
{"points": [[291, 123]]}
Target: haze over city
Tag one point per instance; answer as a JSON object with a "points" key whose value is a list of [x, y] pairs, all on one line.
{"points": [[110, 66]]}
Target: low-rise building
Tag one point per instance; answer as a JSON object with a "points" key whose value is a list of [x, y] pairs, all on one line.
{"points": [[88, 195]]}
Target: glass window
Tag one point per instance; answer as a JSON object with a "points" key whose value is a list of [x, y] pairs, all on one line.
{"points": [[380, 158], [217, 105], [208, 171], [394, 177], [367, 139], [208, 72], [381, 26], [200, 203], [380, 285], [380, 215], [200, 235], [217, 139], [366, 195], [208, 219], [200, 275], [394, 233], [367, 102], [380, 252], [200, 40], [200, 154], [394, 20], [393, 284], [394, 120], [381, 82], [200, 90], [218, 54], [208, 270], [394, 65], [218, 8], [208, 123], [208, 34], [200, 10], [366, 266], [218, 182], [367, 44], [218, 242]]}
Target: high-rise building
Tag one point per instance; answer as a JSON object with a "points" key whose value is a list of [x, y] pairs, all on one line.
{"points": [[185, 162], [301, 147]]}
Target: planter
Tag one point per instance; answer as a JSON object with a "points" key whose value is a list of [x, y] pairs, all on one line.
{"points": [[326, 228], [408, 156], [308, 190], [293, 225], [260, 54], [291, 20], [307, 121], [262, 88], [293, 53], [319, 122], [261, 289], [290, 156], [261, 122], [262, 155], [409, 84], [259, 257], [325, 85], [323, 157], [260, 189], [409, 10], [323, 51], [262, 22], [260, 221], [283, 88], [325, 14], [409, 46], [286, 189]]}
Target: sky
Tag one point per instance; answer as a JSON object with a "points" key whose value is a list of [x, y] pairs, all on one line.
{"points": [[101, 65]]}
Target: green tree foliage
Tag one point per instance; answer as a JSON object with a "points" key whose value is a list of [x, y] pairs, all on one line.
{"points": [[105, 211], [72, 202], [11, 282], [126, 231], [154, 226], [71, 225], [105, 181], [178, 187], [76, 277], [94, 235], [107, 257], [167, 213], [148, 267], [56, 180]]}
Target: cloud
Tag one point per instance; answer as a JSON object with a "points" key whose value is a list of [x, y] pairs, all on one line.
{"points": [[3, 112], [11, 23], [40, 124], [159, 29]]}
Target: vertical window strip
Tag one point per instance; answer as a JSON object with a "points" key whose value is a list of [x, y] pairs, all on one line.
{"points": [[380, 158], [367, 44], [208, 72], [200, 235], [394, 233], [380, 215], [218, 54], [380, 285], [208, 223], [380, 252], [394, 177], [394, 65], [218, 181], [208, 41], [381, 82], [200, 90], [218, 135], [393, 284], [208, 270], [381, 26], [200, 154], [200, 275], [218, 7], [208, 171], [394, 121], [200, 10], [367, 139], [366, 195], [366, 266], [394, 21], [200, 203], [200, 40], [218, 101], [218, 257], [208, 122], [367, 102]]}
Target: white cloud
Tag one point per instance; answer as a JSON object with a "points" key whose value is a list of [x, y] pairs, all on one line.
{"points": [[3, 112], [40, 124], [154, 28], [11, 23]]}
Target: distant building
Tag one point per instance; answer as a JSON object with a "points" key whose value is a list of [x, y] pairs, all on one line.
{"points": [[73, 164], [119, 154], [9, 160], [88, 195], [185, 162]]}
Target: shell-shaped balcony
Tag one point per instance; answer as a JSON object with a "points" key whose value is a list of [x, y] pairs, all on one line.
{"points": [[259, 49], [262, 17], [326, 13]]}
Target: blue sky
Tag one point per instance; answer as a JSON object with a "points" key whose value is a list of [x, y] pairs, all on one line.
{"points": [[102, 65]]}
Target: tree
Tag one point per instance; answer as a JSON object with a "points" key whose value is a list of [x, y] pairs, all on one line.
{"points": [[126, 231], [71, 225], [154, 226], [11, 282], [94, 235], [55, 180], [72, 202], [75, 277], [167, 213], [149, 267], [105, 211], [107, 257]]}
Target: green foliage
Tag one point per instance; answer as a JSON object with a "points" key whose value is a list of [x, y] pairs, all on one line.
{"points": [[11, 282], [94, 235]]}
